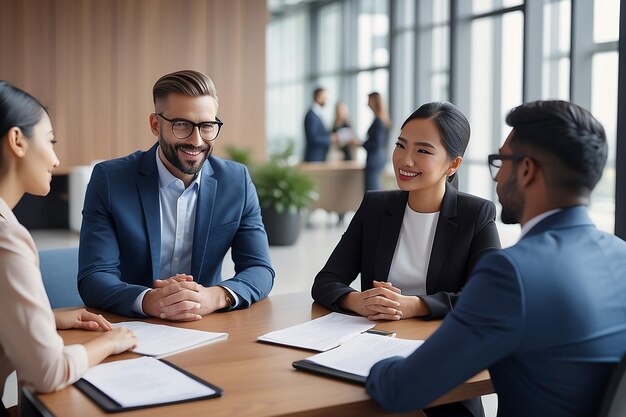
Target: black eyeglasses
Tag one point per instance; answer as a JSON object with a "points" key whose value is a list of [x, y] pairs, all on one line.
{"points": [[183, 128], [495, 162]]}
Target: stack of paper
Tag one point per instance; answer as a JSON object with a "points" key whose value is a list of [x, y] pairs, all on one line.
{"points": [[159, 340], [345, 135], [320, 334], [145, 381], [359, 354]]}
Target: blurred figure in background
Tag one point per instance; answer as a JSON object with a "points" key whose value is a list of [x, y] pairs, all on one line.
{"points": [[318, 139], [376, 142], [346, 137]]}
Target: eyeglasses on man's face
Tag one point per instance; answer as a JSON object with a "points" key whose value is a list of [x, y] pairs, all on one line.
{"points": [[183, 128], [495, 162]]}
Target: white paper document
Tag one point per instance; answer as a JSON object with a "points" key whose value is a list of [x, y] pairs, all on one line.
{"points": [[322, 333], [359, 354], [159, 340], [345, 135], [144, 381]]}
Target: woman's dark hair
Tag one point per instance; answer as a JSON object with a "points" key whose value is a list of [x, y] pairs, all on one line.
{"points": [[18, 109], [451, 124]]}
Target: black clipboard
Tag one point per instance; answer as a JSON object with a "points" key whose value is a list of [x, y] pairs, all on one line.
{"points": [[110, 406], [307, 365]]}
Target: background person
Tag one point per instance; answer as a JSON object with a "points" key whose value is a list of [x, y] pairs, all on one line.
{"points": [[346, 138], [376, 143], [318, 139]]}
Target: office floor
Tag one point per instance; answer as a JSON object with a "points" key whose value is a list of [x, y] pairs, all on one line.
{"points": [[295, 266]]}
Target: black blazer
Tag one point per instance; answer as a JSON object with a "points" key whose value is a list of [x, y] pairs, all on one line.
{"points": [[465, 230]]}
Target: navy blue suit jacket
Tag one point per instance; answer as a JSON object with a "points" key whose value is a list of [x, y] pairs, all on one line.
{"points": [[465, 230], [317, 138], [120, 238], [376, 145], [546, 316]]}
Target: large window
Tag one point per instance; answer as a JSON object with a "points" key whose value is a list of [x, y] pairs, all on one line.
{"points": [[342, 46], [495, 86], [594, 86], [287, 72], [556, 49], [486, 56]]}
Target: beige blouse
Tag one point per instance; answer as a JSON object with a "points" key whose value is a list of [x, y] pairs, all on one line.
{"points": [[29, 342]]}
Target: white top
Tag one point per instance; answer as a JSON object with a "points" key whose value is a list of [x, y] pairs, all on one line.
{"points": [[412, 256]]}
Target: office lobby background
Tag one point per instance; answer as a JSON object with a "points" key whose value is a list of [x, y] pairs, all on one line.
{"points": [[93, 63]]}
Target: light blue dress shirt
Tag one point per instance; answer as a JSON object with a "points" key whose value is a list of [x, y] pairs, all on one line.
{"points": [[178, 218]]}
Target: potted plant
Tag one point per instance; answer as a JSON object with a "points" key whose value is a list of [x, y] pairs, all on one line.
{"points": [[283, 192]]}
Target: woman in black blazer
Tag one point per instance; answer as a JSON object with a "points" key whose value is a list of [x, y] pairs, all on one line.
{"points": [[428, 152], [465, 229], [383, 233]]}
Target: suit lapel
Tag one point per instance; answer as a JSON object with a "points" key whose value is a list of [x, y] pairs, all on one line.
{"points": [[204, 217], [444, 237], [391, 224], [148, 189]]}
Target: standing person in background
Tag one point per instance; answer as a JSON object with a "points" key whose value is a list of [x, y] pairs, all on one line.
{"points": [[29, 342], [318, 139], [376, 142], [343, 128]]}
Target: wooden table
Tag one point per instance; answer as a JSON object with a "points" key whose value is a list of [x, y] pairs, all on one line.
{"points": [[257, 378]]}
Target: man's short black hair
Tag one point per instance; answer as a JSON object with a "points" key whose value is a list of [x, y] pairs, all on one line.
{"points": [[317, 92], [571, 140]]}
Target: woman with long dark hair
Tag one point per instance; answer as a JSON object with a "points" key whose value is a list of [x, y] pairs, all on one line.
{"points": [[29, 342]]}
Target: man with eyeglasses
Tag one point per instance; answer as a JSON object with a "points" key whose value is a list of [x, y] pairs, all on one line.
{"points": [[546, 316], [157, 224]]}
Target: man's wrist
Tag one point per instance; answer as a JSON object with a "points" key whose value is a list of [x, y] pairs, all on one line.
{"points": [[229, 300], [144, 302]]}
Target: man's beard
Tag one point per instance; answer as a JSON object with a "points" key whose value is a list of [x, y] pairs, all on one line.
{"points": [[512, 201], [171, 154]]}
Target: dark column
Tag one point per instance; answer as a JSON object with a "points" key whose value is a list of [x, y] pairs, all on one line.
{"points": [[620, 158]]}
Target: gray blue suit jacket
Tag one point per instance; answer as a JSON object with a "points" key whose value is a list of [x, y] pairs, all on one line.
{"points": [[546, 316], [120, 238], [317, 138]]}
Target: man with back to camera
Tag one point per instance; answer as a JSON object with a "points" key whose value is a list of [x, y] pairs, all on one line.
{"points": [[158, 223], [547, 316], [318, 139]]}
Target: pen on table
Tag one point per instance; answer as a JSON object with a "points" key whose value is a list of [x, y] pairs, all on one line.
{"points": [[381, 332]]}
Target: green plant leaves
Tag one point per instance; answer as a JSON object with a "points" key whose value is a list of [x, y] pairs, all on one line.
{"points": [[278, 184]]}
